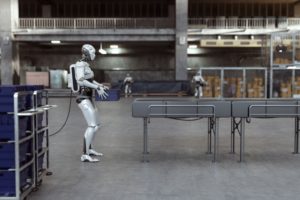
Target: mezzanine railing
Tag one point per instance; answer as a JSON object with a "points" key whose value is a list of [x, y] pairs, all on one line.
{"points": [[243, 23], [95, 23]]}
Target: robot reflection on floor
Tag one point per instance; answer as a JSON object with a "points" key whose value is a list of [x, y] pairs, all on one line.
{"points": [[82, 83], [200, 82], [128, 83]]}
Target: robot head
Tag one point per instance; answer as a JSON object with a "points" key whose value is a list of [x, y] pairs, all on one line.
{"points": [[88, 52]]}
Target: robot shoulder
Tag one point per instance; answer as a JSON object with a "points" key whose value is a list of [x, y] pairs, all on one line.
{"points": [[82, 64]]}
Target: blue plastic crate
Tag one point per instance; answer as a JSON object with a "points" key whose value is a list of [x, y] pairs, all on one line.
{"points": [[41, 162], [41, 140], [113, 95], [7, 154], [7, 103], [7, 181], [40, 118], [9, 90], [7, 127]]}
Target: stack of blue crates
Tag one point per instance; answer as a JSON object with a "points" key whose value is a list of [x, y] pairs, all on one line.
{"points": [[7, 134]]}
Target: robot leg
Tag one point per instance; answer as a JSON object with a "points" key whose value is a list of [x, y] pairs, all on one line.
{"points": [[200, 92], [129, 89], [196, 91], [90, 116], [126, 89]]}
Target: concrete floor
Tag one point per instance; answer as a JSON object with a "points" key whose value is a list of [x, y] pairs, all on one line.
{"points": [[179, 167]]}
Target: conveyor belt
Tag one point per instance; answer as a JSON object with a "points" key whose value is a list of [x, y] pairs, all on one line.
{"points": [[184, 107], [213, 109]]}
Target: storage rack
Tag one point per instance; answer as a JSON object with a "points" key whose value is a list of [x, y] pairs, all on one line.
{"points": [[41, 133], [21, 193], [25, 181]]}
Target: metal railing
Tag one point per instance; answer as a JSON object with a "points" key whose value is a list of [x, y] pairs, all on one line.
{"points": [[96, 23], [243, 23]]}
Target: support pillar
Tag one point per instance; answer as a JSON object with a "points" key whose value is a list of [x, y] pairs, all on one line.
{"points": [[181, 39], [10, 62]]}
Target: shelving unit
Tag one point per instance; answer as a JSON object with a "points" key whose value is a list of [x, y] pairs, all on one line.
{"points": [[41, 132], [234, 82], [21, 174], [22, 151]]}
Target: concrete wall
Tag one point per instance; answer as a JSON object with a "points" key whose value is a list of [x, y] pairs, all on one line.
{"points": [[148, 65], [141, 67]]}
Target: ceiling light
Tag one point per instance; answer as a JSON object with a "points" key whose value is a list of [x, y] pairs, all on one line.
{"points": [[101, 50], [114, 46], [193, 46], [55, 42], [115, 51], [293, 67], [189, 68]]}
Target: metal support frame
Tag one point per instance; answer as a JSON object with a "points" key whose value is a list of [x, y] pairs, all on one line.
{"points": [[238, 126], [145, 140], [235, 128], [213, 125], [209, 131], [20, 195], [45, 129], [296, 137]]}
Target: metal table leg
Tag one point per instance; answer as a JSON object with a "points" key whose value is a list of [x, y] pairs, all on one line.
{"points": [[232, 141], [209, 127], [145, 149], [216, 139], [296, 138], [242, 140]]}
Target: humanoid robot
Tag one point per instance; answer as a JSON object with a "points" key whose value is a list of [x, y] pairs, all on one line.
{"points": [[82, 83], [128, 83], [200, 82]]}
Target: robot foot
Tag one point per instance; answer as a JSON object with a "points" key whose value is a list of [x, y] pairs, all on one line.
{"points": [[87, 158], [92, 152]]}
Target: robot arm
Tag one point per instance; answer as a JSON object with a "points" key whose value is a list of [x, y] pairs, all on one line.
{"points": [[82, 81]]}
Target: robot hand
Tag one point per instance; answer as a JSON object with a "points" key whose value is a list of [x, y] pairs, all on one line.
{"points": [[101, 91]]}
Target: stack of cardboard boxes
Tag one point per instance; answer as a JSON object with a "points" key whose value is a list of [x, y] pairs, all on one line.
{"points": [[255, 88], [213, 88]]}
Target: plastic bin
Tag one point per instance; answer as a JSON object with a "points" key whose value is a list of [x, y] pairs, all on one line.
{"points": [[41, 162], [7, 127], [113, 95], [40, 140], [7, 154], [7, 98], [7, 181]]}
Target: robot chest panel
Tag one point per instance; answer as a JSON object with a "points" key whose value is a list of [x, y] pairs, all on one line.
{"points": [[88, 73], [197, 78]]}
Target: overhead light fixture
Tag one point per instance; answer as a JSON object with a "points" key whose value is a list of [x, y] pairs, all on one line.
{"points": [[115, 51], [116, 68], [193, 46], [101, 50], [293, 67], [114, 46], [189, 68], [55, 41]]}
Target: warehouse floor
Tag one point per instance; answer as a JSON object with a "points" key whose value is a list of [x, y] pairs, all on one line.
{"points": [[179, 167]]}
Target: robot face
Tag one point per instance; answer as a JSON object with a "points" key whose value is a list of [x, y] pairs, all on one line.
{"points": [[92, 55]]}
